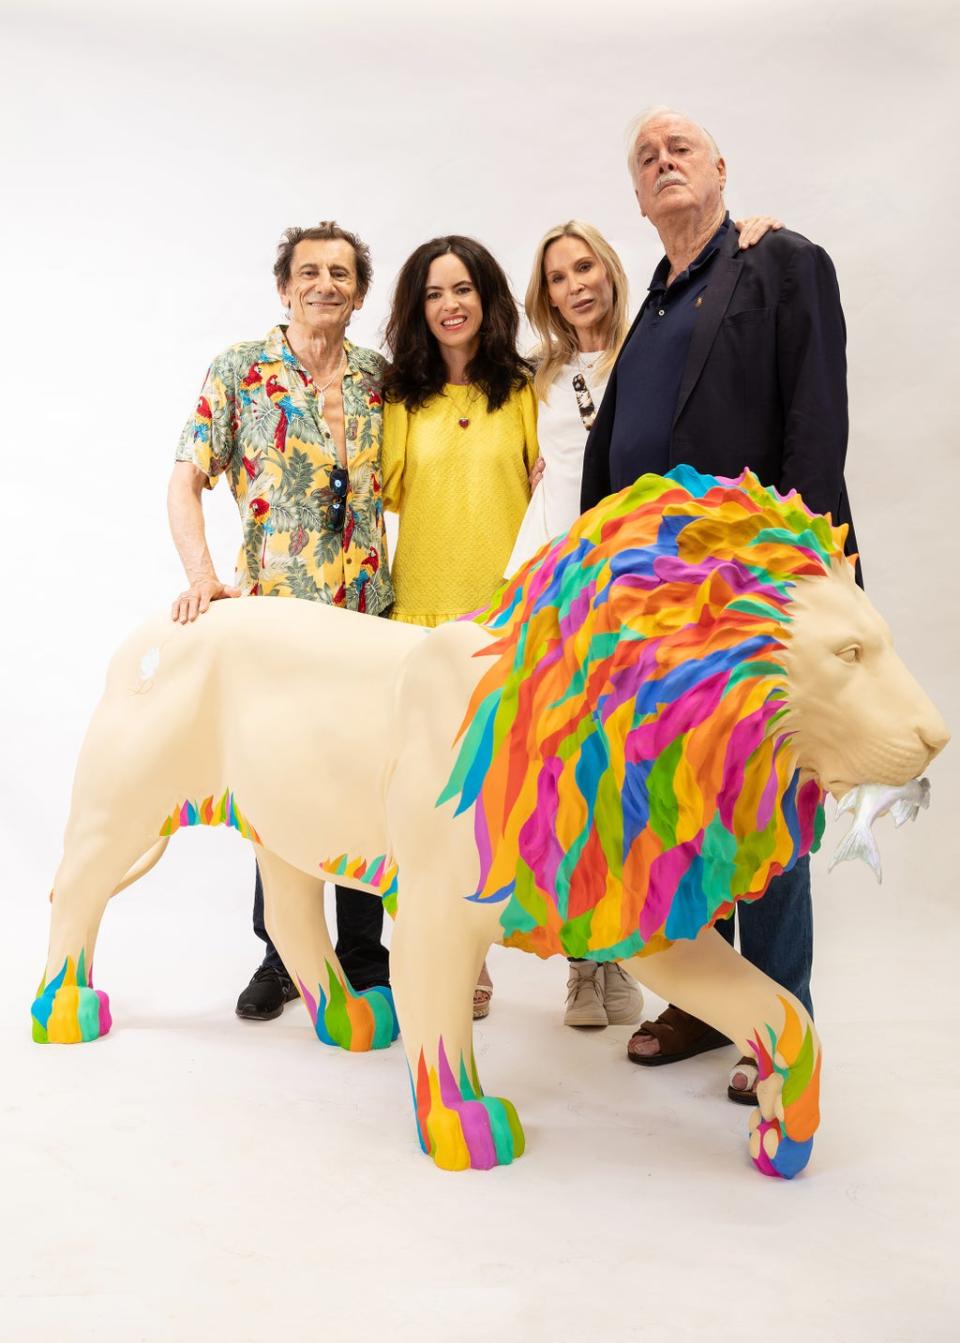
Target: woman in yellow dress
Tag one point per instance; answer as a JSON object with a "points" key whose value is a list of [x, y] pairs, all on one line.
{"points": [[459, 437], [459, 433]]}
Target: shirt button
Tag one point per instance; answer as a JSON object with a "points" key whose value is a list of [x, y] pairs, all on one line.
{"points": [[662, 312]]}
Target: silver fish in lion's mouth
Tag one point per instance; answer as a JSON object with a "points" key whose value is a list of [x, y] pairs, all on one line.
{"points": [[870, 801]]}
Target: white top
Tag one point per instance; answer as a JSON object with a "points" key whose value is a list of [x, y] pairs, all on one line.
{"points": [[562, 435]]}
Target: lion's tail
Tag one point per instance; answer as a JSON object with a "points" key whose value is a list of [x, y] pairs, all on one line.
{"points": [[143, 865]]}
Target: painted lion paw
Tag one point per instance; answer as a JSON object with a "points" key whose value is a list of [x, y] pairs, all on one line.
{"points": [[69, 1010], [773, 1151], [354, 1021], [460, 1127], [788, 1090]]}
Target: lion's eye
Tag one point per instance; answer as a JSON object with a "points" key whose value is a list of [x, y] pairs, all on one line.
{"points": [[852, 653]]}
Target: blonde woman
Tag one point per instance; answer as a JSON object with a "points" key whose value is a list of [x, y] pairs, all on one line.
{"points": [[577, 305]]}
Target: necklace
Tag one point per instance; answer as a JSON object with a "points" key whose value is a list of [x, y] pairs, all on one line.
{"points": [[336, 373], [464, 420]]}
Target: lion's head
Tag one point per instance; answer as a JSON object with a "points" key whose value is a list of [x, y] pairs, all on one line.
{"points": [[632, 751], [856, 714]]}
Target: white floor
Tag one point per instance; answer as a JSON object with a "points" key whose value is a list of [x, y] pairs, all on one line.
{"points": [[194, 1177]]}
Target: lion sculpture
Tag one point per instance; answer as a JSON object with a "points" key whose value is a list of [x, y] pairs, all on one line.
{"points": [[636, 735]]}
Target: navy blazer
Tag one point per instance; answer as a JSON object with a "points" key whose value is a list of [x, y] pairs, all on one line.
{"points": [[765, 383]]}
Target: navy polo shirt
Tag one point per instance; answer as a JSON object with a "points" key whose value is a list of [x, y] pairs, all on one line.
{"points": [[651, 368]]}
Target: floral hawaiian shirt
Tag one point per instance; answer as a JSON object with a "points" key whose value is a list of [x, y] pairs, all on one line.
{"points": [[258, 420]]}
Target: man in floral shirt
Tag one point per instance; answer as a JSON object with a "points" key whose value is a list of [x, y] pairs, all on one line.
{"points": [[294, 422]]}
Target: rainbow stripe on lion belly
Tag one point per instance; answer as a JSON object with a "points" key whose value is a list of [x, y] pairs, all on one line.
{"points": [[223, 812]]}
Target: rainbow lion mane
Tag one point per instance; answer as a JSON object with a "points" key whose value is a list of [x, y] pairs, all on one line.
{"points": [[625, 753]]}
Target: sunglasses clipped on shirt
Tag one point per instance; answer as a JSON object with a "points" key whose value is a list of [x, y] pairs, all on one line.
{"points": [[588, 411], [337, 508]]}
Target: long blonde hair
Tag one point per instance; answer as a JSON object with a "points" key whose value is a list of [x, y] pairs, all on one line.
{"points": [[558, 343]]}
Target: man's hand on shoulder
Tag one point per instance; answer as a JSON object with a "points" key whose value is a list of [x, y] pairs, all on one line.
{"points": [[197, 598], [756, 227]]}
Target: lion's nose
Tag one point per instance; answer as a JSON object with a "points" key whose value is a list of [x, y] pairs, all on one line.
{"points": [[934, 734]]}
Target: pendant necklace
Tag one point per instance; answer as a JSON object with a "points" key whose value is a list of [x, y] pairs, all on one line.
{"points": [[464, 420], [320, 390]]}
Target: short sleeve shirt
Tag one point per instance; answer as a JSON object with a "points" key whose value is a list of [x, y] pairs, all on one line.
{"points": [[259, 421]]}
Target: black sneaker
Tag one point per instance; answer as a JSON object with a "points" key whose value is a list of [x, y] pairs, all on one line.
{"points": [[265, 995]]}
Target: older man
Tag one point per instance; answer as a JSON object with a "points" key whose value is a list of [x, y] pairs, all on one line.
{"points": [[294, 422], [736, 359]]}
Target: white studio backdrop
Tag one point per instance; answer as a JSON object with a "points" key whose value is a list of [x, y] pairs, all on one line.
{"points": [[153, 154]]}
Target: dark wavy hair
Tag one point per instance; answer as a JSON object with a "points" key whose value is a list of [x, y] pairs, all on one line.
{"points": [[328, 230], [417, 371]]}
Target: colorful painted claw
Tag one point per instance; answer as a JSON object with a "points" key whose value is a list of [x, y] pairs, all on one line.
{"points": [[773, 1152], [69, 1010], [460, 1127], [788, 1092], [354, 1021]]}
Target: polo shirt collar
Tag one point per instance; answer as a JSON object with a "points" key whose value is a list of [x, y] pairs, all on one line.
{"points": [[659, 281]]}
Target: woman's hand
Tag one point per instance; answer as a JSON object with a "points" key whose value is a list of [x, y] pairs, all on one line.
{"points": [[536, 475], [753, 229]]}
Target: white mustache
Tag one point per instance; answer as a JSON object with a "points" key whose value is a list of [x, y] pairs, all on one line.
{"points": [[669, 180]]}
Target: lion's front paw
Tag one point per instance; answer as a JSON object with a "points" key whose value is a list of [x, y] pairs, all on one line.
{"points": [[788, 1091], [354, 1021], [460, 1127], [69, 1010], [475, 1135], [773, 1151]]}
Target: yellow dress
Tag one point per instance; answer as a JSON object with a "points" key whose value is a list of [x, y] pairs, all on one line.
{"points": [[457, 476]]}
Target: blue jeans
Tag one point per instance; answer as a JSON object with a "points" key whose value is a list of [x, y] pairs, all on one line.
{"points": [[776, 931], [364, 960]]}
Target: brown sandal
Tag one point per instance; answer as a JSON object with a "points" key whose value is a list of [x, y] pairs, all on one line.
{"points": [[680, 1035]]}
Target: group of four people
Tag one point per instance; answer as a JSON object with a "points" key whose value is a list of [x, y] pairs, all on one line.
{"points": [[736, 359]]}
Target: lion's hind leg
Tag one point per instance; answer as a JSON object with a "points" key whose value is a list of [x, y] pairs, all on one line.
{"points": [[67, 1008], [293, 913], [708, 978]]}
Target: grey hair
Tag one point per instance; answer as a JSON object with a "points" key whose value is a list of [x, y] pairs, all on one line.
{"points": [[637, 124]]}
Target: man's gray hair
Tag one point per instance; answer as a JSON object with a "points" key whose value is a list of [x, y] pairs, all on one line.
{"points": [[653, 114]]}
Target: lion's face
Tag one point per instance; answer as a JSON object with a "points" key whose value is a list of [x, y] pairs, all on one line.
{"points": [[856, 714]]}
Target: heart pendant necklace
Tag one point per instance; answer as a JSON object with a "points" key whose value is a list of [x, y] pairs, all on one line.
{"points": [[464, 420]]}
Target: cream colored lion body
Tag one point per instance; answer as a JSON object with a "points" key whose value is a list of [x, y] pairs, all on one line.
{"points": [[327, 738]]}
